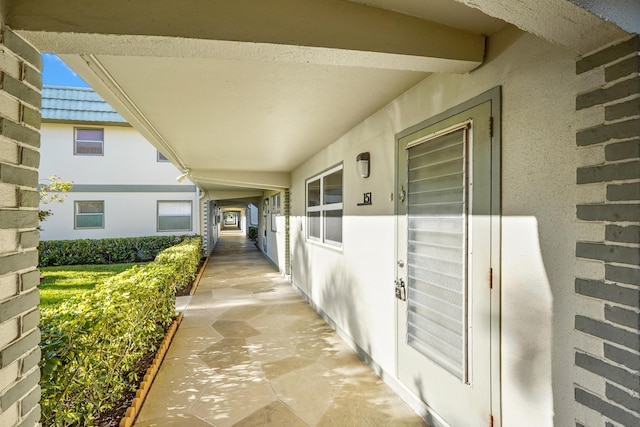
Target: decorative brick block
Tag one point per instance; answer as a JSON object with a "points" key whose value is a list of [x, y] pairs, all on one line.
{"points": [[628, 359], [623, 150], [30, 158], [608, 55], [608, 252], [622, 110], [623, 192], [19, 348], [17, 262], [20, 304], [613, 373], [623, 234], [609, 172], [609, 212], [19, 389], [608, 332], [614, 92], [20, 90], [629, 297], [622, 68], [30, 116], [609, 410], [607, 132], [622, 397], [21, 48], [18, 219], [19, 133], [18, 175]]}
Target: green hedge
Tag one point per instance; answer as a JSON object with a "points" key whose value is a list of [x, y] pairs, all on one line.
{"points": [[103, 251], [91, 343]]}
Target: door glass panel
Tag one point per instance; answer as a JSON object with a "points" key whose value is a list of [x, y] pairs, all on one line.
{"points": [[437, 247]]}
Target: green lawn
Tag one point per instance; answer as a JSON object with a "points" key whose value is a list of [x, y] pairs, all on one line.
{"points": [[65, 281]]}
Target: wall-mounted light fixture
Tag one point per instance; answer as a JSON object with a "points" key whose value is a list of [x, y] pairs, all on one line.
{"points": [[363, 162], [182, 177]]}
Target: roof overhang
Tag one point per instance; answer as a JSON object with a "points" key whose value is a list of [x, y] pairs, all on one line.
{"points": [[239, 93]]}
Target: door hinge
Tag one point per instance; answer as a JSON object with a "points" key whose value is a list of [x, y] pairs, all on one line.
{"points": [[491, 127], [490, 420], [491, 278]]}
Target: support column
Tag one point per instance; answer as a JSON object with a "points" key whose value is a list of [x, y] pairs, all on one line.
{"points": [[608, 307], [20, 87], [206, 217], [287, 230]]}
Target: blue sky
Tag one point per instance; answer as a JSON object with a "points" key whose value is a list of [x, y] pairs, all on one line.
{"points": [[56, 72]]}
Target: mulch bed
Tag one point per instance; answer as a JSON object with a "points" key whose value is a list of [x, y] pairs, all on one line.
{"points": [[112, 417]]}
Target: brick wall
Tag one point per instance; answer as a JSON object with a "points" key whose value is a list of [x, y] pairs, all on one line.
{"points": [[206, 217], [20, 86], [286, 203], [615, 100]]}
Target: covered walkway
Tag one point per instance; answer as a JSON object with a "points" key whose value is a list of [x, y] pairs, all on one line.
{"points": [[251, 352]]}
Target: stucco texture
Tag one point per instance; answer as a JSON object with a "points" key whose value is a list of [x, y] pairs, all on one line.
{"points": [[539, 157]]}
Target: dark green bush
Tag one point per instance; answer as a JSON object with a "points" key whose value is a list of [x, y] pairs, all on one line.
{"points": [[91, 343], [253, 232], [103, 251]]}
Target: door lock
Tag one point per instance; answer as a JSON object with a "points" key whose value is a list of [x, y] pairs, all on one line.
{"points": [[401, 290]]}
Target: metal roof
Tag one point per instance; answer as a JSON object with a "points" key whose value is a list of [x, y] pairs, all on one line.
{"points": [[76, 104]]}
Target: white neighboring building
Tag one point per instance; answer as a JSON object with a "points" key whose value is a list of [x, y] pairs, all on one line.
{"points": [[123, 187]]}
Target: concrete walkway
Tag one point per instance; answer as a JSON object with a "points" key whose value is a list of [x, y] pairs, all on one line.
{"points": [[251, 352]]}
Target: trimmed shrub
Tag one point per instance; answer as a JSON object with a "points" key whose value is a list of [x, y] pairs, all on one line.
{"points": [[253, 232], [91, 343], [103, 251]]}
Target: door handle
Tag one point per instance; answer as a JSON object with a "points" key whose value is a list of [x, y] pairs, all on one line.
{"points": [[401, 290]]}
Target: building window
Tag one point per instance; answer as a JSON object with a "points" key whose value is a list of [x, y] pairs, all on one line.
{"points": [[89, 214], [161, 157], [324, 207], [275, 211], [88, 142], [174, 215]]}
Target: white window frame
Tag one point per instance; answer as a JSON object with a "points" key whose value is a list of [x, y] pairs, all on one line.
{"points": [[76, 214], [275, 211], [323, 207], [190, 202], [76, 140]]}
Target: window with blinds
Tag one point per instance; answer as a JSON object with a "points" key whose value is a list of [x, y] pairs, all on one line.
{"points": [[437, 251], [89, 214], [174, 215], [88, 141]]}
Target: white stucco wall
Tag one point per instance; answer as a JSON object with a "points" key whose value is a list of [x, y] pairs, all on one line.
{"points": [[128, 159], [125, 215], [539, 159], [275, 239]]}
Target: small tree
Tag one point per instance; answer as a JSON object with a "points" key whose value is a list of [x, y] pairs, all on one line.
{"points": [[53, 192]]}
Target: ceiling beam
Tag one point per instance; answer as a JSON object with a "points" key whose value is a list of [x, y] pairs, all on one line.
{"points": [[322, 31], [234, 196], [245, 179]]}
